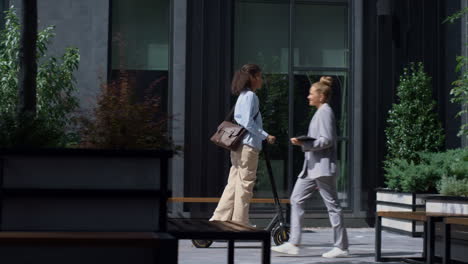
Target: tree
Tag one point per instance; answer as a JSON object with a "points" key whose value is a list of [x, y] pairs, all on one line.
{"points": [[51, 122], [459, 92], [413, 125]]}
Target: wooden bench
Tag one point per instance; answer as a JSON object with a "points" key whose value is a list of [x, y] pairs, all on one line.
{"points": [[165, 243], [220, 230], [448, 222], [429, 220], [216, 199]]}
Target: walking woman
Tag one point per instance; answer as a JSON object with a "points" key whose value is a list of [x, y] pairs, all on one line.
{"points": [[319, 172], [234, 203]]}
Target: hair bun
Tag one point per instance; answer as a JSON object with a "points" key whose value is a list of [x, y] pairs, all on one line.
{"points": [[327, 80]]}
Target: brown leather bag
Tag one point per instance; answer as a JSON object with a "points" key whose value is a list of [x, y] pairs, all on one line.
{"points": [[229, 135]]}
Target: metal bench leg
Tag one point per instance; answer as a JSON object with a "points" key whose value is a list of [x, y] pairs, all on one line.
{"points": [[430, 240], [266, 254], [424, 248], [447, 238], [378, 238], [230, 251]]}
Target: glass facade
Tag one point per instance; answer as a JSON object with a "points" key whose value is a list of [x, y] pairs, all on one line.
{"points": [[302, 116], [320, 35], [262, 37], [140, 45], [320, 42]]}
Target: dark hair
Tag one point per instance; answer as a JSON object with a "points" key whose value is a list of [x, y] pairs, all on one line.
{"points": [[241, 79]]}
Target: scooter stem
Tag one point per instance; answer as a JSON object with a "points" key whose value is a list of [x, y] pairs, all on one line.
{"points": [[279, 210]]}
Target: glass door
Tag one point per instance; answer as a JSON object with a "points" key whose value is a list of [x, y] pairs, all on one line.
{"points": [[264, 32], [320, 41]]}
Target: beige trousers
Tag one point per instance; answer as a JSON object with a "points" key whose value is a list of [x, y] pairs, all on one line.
{"points": [[234, 203]]}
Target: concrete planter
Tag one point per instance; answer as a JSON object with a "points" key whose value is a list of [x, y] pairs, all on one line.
{"points": [[450, 205], [447, 204], [83, 190], [388, 200]]}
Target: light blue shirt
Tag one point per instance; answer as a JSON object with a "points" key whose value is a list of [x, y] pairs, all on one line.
{"points": [[247, 106]]}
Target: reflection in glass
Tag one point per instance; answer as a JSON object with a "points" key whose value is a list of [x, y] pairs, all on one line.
{"points": [[321, 35], [275, 110], [261, 34], [261, 37], [140, 46], [302, 116], [141, 28]]}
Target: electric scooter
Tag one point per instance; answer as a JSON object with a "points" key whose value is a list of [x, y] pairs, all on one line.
{"points": [[277, 227]]}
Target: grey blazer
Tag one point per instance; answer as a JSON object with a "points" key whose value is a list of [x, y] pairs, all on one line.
{"points": [[320, 154]]}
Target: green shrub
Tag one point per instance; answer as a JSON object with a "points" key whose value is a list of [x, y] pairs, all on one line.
{"points": [[413, 127], [120, 121], [410, 177], [412, 124], [424, 176], [453, 187], [459, 92], [56, 103], [452, 162]]}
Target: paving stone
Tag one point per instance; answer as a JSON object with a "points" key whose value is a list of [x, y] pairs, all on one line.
{"points": [[315, 242]]}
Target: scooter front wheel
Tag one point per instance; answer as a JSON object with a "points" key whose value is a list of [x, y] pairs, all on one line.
{"points": [[202, 243], [280, 235]]}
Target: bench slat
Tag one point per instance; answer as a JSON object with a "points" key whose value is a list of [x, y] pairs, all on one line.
{"points": [[204, 226], [418, 216], [216, 199], [237, 226], [133, 239], [457, 220]]}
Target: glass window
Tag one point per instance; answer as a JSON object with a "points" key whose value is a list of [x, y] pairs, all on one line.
{"points": [[321, 35], [140, 45], [261, 34], [302, 116], [320, 39], [140, 31]]}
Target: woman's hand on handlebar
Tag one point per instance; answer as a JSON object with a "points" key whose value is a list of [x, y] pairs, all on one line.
{"points": [[271, 139]]}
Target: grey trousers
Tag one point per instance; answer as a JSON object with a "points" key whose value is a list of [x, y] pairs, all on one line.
{"points": [[303, 189]]}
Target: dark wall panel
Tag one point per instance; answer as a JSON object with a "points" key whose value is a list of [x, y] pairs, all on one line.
{"points": [[452, 39], [208, 97], [396, 33]]}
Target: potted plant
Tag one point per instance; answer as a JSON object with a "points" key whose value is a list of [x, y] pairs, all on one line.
{"points": [[52, 124], [412, 127], [453, 187], [53, 178]]}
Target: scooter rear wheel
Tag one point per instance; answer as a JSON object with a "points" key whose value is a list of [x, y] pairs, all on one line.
{"points": [[280, 235], [202, 243]]}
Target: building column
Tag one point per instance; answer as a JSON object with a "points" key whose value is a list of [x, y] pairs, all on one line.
{"points": [[464, 44], [177, 98]]}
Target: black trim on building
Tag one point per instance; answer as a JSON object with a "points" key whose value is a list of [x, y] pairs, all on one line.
{"points": [[209, 63], [397, 33], [109, 43]]}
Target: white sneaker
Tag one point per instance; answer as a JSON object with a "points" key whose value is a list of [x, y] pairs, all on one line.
{"points": [[336, 253], [252, 225], [286, 248]]}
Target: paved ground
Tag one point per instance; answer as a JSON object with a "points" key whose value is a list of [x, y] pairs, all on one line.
{"points": [[315, 241]]}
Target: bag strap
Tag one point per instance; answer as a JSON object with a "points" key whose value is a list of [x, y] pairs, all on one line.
{"points": [[230, 116]]}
